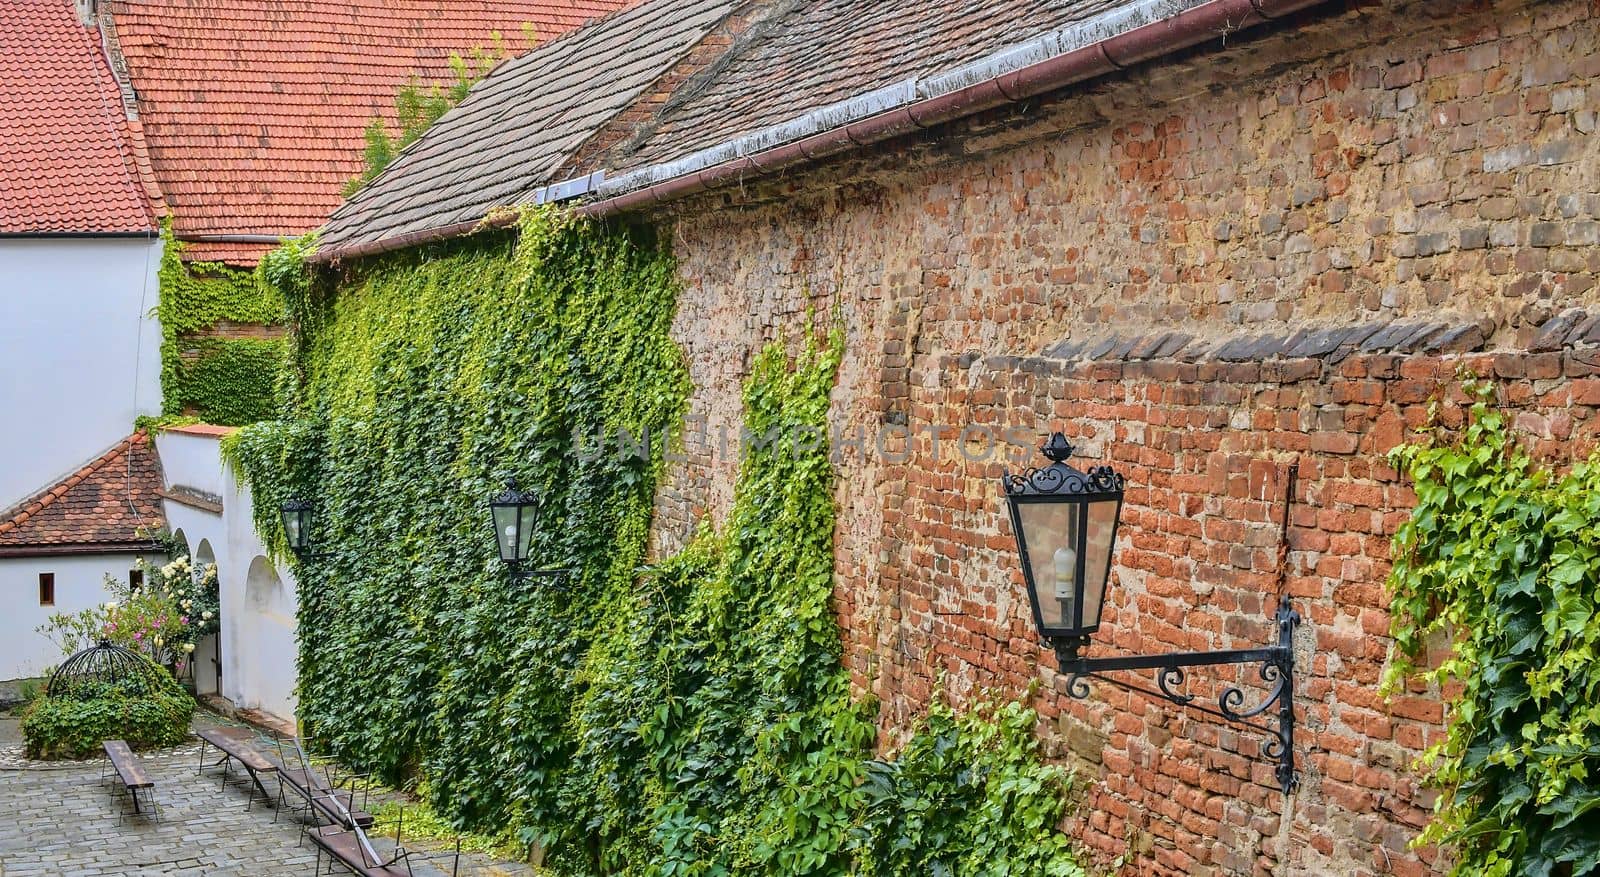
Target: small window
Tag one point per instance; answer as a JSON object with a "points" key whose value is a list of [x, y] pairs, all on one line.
{"points": [[47, 589], [135, 579]]}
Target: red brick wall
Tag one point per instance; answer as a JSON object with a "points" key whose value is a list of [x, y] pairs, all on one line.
{"points": [[1404, 163]]}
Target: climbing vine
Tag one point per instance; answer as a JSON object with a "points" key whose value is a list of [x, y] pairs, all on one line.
{"points": [[418, 106], [1501, 559], [689, 718], [221, 380]]}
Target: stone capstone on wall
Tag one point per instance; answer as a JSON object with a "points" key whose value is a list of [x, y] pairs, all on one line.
{"points": [[1575, 328]]}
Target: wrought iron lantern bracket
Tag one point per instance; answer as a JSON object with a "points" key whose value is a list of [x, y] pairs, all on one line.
{"points": [[1277, 669]]}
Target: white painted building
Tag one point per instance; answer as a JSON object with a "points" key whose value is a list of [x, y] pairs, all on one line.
{"points": [[80, 352], [207, 508], [79, 345]]}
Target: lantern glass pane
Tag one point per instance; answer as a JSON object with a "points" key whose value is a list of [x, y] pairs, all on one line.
{"points": [[1102, 532], [505, 529], [529, 514], [293, 528], [1051, 532]]}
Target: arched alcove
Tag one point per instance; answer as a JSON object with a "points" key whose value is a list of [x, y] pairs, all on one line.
{"points": [[203, 554], [207, 663], [265, 631]]}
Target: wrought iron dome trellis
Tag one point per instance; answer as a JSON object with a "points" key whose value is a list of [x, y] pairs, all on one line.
{"points": [[102, 667]]}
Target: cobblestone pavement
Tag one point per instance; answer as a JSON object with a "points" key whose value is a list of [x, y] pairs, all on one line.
{"points": [[59, 819]]}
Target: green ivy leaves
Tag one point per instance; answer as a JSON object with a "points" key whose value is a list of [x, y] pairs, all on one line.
{"points": [[1502, 557], [693, 719], [226, 381]]}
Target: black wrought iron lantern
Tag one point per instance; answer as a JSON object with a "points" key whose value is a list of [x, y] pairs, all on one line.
{"points": [[297, 524], [516, 516], [1065, 523]]}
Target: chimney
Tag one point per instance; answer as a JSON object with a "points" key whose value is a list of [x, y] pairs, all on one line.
{"points": [[88, 12]]}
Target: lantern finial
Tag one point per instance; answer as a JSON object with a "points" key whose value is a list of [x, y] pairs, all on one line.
{"points": [[1057, 449]]}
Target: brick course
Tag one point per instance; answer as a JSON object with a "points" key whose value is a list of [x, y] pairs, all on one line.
{"points": [[1157, 263]]}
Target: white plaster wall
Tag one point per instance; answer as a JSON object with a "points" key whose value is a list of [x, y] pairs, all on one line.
{"points": [[80, 352], [192, 461], [80, 584], [258, 599]]}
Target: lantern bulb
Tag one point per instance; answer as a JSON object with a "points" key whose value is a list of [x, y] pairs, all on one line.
{"points": [[1066, 563]]}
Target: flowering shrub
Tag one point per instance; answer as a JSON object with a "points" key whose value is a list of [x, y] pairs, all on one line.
{"points": [[162, 620], [192, 591]]}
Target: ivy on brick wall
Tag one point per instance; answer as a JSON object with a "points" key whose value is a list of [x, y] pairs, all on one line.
{"points": [[221, 380], [690, 718], [1500, 564]]}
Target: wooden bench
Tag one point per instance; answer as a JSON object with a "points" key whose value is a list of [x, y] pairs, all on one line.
{"points": [[322, 798], [319, 798], [236, 745], [353, 851], [130, 771]]}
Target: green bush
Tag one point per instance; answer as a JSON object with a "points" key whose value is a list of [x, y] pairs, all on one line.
{"points": [[74, 725]]}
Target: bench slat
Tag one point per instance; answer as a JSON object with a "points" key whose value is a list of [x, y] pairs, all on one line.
{"points": [[127, 765], [236, 744], [343, 846]]}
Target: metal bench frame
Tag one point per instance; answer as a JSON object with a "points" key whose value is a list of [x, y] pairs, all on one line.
{"points": [[324, 797]]}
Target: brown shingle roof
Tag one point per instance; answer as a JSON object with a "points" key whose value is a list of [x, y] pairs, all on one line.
{"points": [[527, 119], [111, 503], [254, 112], [826, 51], [70, 159], [793, 59]]}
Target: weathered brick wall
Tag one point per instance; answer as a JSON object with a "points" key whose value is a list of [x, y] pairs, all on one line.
{"points": [[1427, 165]]}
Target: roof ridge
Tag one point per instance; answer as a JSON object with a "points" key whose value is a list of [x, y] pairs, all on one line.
{"points": [[121, 126], [139, 165], [765, 15], [30, 506]]}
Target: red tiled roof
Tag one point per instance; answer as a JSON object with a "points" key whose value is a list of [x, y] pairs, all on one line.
{"points": [[254, 112], [105, 504], [70, 160]]}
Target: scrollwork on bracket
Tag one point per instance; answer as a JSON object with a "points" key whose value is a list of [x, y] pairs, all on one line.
{"points": [[1233, 697]]}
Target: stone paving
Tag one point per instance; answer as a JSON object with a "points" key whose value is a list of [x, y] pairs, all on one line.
{"points": [[58, 818]]}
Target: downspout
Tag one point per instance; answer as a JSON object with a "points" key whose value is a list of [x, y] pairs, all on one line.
{"points": [[1181, 31]]}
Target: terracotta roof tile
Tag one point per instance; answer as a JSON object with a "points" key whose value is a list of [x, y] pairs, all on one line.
{"points": [[107, 502], [254, 112], [521, 124], [70, 160]]}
